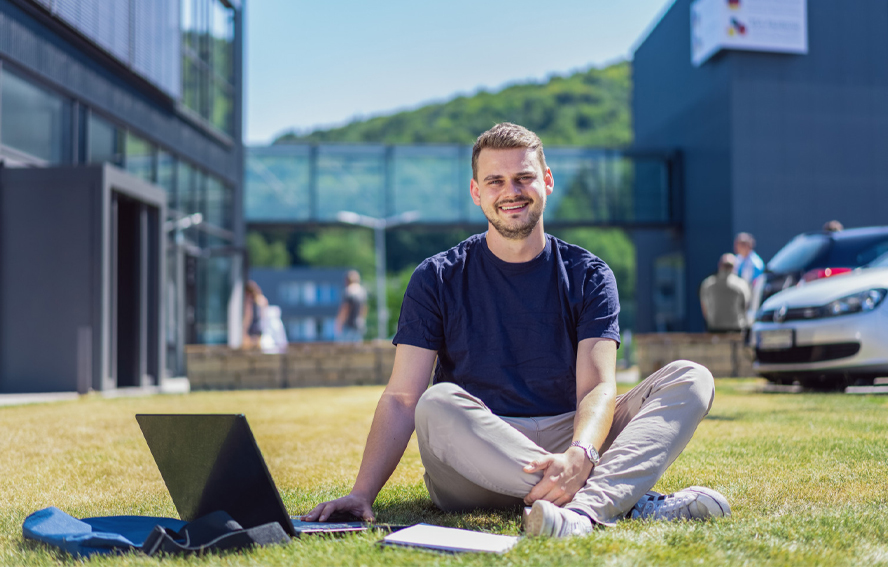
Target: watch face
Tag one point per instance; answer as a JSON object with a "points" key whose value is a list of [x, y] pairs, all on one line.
{"points": [[593, 455], [590, 451]]}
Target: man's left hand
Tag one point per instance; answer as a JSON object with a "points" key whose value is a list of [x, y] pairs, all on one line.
{"points": [[564, 474]]}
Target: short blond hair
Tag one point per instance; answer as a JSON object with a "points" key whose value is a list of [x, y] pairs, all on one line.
{"points": [[507, 136]]}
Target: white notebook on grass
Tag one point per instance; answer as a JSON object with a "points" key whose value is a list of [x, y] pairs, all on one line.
{"points": [[450, 539]]}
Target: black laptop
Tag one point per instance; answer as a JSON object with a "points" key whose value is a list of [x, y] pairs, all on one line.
{"points": [[211, 462]]}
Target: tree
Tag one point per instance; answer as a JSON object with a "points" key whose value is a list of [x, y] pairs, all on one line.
{"points": [[587, 108], [263, 254], [340, 248]]}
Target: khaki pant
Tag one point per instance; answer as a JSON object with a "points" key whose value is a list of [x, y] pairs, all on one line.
{"points": [[474, 459]]}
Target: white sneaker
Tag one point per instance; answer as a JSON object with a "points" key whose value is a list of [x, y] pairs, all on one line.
{"points": [[547, 519], [694, 503]]}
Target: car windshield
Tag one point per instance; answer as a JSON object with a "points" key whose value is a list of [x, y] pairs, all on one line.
{"points": [[880, 262], [798, 253]]}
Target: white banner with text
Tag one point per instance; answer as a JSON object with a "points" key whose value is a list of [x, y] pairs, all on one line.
{"points": [[778, 26]]}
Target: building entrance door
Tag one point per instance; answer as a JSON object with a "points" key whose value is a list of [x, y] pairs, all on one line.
{"points": [[135, 301]]}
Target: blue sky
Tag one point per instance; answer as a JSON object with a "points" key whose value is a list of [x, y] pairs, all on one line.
{"points": [[312, 63]]}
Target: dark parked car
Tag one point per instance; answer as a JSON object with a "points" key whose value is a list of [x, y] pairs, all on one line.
{"points": [[815, 255]]}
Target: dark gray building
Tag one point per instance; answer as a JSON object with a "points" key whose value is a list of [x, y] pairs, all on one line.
{"points": [[120, 189], [770, 143]]}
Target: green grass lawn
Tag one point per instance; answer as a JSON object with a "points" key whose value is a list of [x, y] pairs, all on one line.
{"points": [[806, 476]]}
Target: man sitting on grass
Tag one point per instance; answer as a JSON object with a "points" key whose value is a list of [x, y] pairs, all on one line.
{"points": [[524, 328]]}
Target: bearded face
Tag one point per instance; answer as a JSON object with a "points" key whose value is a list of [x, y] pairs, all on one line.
{"points": [[511, 190], [515, 218]]}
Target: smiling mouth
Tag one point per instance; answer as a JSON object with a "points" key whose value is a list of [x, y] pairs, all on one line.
{"points": [[514, 207]]}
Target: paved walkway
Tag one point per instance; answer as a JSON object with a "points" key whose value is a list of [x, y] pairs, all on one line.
{"points": [[170, 386], [20, 399]]}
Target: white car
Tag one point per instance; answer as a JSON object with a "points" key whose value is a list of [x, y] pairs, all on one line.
{"points": [[826, 333]]}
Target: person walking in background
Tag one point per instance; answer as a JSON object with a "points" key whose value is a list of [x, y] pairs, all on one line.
{"points": [[255, 305], [351, 321], [749, 265], [724, 297]]}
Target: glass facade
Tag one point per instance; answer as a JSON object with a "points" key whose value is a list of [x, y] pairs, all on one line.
{"points": [[36, 129], [444, 171], [208, 61], [166, 176], [102, 81], [302, 183], [141, 34], [33, 120], [213, 292], [280, 180], [350, 175]]}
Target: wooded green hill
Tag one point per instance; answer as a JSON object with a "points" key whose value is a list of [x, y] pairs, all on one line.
{"points": [[587, 108]]}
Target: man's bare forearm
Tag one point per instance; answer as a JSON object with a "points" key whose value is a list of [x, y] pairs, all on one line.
{"points": [[565, 473], [393, 423], [595, 414], [596, 391]]}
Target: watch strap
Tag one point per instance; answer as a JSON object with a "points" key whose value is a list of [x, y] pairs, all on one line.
{"points": [[590, 451]]}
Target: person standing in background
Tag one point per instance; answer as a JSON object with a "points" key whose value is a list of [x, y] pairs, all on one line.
{"points": [[352, 316], [254, 306], [749, 264], [724, 297]]}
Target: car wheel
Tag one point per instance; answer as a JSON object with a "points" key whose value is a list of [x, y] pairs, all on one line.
{"points": [[823, 382]]}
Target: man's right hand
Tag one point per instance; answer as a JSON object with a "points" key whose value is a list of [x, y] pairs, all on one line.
{"points": [[356, 504]]}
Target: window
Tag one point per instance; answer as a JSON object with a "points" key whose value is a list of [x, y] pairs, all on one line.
{"points": [[290, 293], [104, 141], [139, 158], [187, 196], [328, 331], [218, 204], [309, 293], [166, 175], [208, 61], [214, 291], [33, 120]]}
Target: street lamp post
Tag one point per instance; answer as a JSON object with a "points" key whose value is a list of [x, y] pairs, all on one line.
{"points": [[379, 227]]}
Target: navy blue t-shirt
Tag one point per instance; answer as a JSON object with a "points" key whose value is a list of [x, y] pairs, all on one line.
{"points": [[508, 332]]}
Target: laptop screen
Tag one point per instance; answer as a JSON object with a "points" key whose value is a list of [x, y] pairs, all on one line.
{"points": [[212, 462]]}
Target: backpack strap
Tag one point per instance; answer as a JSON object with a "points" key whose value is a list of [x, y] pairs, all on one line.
{"points": [[213, 532]]}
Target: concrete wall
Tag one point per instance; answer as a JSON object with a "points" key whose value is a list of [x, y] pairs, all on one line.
{"points": [[725, 355], [50, 287], [302, 365]]}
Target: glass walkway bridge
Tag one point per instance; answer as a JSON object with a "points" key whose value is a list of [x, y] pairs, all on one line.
{"points": [[308, 185]]}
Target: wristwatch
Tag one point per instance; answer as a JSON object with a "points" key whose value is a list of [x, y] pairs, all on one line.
{"points": [[590, 451]]}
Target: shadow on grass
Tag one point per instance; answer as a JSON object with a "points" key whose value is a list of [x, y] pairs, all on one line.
{"points": [[30, 546], [56, 555], [418, 510]]}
